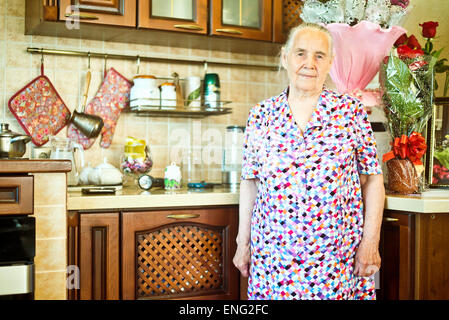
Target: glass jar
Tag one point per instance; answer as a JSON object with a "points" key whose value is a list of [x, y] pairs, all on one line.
{"points": [[232, 154], [135, 161]]}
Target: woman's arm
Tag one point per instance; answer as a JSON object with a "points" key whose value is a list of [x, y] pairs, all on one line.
{"points": [[248, 194], [367, 257]]}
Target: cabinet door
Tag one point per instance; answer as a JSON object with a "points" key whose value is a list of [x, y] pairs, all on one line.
{"points": [[433, 253], [179, 254], [249, 19], [285, 17], [99, 256], [174, 15], [397, 250], [111, 12]]}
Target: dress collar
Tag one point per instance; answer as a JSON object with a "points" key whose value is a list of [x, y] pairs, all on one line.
{"points": [[320, 116]]}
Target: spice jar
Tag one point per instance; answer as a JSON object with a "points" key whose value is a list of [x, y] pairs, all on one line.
{"points": [[168, 95]]}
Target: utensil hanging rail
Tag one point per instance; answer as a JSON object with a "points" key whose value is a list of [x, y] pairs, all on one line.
{"points": [[150, 58]]}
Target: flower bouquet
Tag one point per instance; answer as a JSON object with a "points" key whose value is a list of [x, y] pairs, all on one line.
{"points": [[363, 32], [407, 85]]}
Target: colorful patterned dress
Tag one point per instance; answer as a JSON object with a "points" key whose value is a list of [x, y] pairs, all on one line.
{"points": [[307, 220]]}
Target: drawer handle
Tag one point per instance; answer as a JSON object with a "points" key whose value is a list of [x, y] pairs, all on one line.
{"points": [[183, 216], [188, 26], [389, 219], [232, 31], [81, 16]]}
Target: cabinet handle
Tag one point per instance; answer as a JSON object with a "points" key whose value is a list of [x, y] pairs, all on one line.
{"points": [[188, 26], [183, 216], [81, 16], [233, 31], [389, 219]]}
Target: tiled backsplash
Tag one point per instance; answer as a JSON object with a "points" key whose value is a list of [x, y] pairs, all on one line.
{"points": [[243, 86]]}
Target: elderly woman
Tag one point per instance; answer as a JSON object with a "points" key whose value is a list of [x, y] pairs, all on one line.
{"points": [[311, 195]]}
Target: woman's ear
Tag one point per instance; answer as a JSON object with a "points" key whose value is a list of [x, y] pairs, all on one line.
{"points": [[284, 58]]}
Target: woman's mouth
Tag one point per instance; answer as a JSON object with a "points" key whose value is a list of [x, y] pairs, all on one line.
{"points": [[307, 75]]}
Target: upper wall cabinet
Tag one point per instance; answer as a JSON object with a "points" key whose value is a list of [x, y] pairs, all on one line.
{"points": [[174, 15], [285, 17], [248, 19], [111, 12]]}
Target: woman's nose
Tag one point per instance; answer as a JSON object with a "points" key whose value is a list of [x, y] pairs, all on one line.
{"points": [[309, 62]]}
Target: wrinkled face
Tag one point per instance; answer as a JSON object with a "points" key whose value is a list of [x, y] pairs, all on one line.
{"points": [[308, 61]]}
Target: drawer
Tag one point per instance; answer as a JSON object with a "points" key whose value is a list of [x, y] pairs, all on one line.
{"points": [[16, 195]]}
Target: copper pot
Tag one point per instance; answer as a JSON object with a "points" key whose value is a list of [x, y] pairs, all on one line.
{"points": [[402, 176], [12, 145]]}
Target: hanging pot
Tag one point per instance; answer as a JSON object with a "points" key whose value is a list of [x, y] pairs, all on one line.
{"points": [[12, 145], [402, 176]]}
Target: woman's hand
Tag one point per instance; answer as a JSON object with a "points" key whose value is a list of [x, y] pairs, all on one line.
{"points": [[242, 259], [367, 258]]}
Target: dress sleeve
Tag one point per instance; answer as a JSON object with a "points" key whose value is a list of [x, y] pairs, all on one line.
{"points": [[366, 152], [251, 142]]}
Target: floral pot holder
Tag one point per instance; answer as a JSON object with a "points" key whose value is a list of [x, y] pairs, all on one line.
{"points": [[39, 109]]}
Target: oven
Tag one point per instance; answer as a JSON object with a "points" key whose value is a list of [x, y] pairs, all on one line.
{"points": [[17, 251]]}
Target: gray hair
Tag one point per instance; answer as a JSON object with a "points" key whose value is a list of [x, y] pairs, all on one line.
{"points": [[305, 25]]}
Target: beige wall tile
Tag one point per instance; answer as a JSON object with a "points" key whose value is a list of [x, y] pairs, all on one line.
{"points": [[16, 56], [51, 254], [51, 286], [15, 8], [157, 134], [16, 79], [51, 222], [15, 30], [2, 24]]}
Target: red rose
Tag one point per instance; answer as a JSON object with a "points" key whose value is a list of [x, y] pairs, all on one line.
{"points": [[406, 52], [401, 40], [413, 43], [429, 29]]}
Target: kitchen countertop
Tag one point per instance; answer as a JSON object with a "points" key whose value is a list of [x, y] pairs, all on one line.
{"points": [[132, 198], [34, 166], [432, 201]]}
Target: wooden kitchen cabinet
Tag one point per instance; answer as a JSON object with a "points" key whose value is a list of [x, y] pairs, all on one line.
{"points": [[179, 254], [398, 256], [16, 194], [164, 254], [415, 256], [93, 246], [174, 15], [246, 19], [285, 17], [109, 12]]}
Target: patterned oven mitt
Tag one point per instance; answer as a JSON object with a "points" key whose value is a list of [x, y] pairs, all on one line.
{"points": [[108, 103], [39, 109]]}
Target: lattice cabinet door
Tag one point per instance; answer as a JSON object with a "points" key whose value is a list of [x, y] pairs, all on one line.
{"points": [[180, 254], [285, 17]]}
